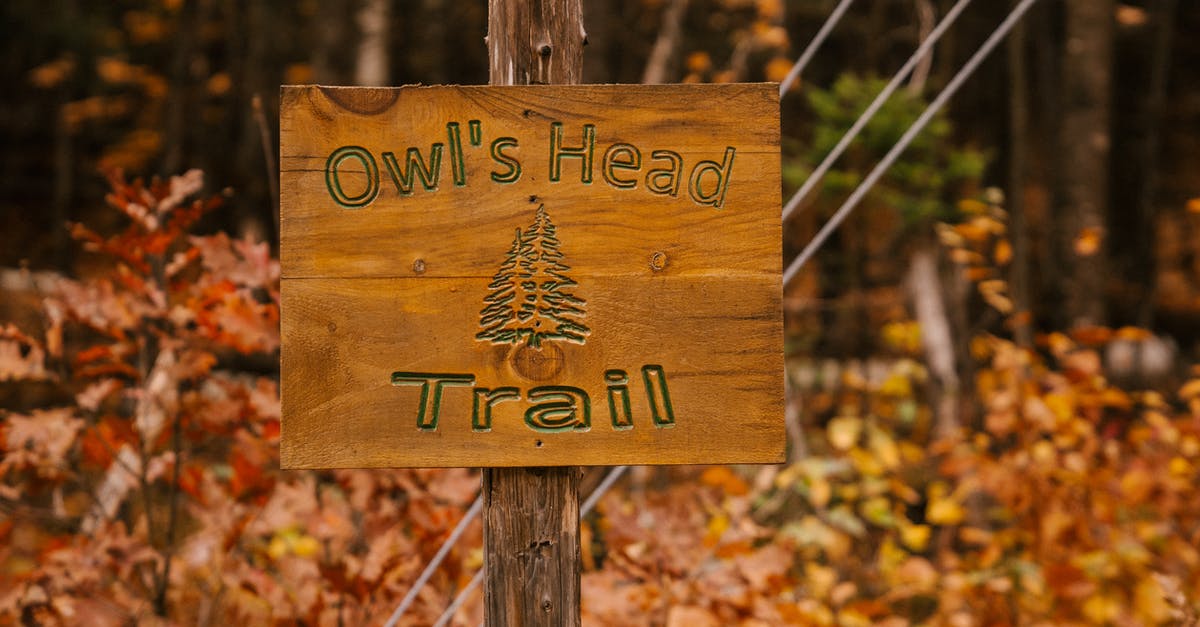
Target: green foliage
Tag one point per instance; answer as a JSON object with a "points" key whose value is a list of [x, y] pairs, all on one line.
{"points": [[920, 186]]}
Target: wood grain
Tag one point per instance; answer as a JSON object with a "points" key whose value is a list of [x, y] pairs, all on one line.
{"points": [[531, 515], [531, 546], [398, 285]]}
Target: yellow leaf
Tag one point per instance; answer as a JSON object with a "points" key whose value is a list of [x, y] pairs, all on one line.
{"points": [[944, 512], [890, 556], [277, 548], [1101, 608], [1044, 454], [819, 579], [306, 546], [773, 37], [1180, 467], [896, 385], [1193, 205], [715, 529], [884, 448], [993, 293], [915, 537], [819, 492], [965, 257], [844, 432], [942, 508], [866, 463], [972, 206], [949, 236], [1151, 602], [474, 559], [1061, 405]]}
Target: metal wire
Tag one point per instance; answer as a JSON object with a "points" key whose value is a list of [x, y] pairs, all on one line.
{"points": [[876, 104], [839, 216], [817, 40], [947, 92], [793, 74], [411, 596]]}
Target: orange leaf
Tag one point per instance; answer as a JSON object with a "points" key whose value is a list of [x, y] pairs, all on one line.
{"points": [[1087, 243], [777, 69], [725, 479], [1003, 253], [1092, 334], [1190, 389]]}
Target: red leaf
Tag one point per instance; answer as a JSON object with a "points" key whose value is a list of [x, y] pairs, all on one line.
{"points": [[101, 441]]}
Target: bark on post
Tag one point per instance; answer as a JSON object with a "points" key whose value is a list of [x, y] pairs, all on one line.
{"points": [[531, 515]]}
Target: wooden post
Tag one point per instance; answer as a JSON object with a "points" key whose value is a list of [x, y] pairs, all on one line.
{"points": [[531, 515]]}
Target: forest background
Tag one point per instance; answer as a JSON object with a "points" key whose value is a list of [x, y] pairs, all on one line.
{"points": [[994, 412]]}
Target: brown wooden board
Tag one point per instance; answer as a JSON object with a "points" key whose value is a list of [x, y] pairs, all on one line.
{"points": [[531, 276]]}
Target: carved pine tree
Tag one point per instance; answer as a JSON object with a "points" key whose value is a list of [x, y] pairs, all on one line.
{"points": [[530, 298], [498, 312]]}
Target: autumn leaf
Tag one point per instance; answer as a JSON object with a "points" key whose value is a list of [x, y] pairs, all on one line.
{"points": [[844, 432], [1087, 242]]}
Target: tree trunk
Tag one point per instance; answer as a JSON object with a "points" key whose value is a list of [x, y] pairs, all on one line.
{"points": [[329, 28], [1084, 155], [1155, 108], [531, 515], [925, 289], [1018, 154], [659, 69], [372, 68]]}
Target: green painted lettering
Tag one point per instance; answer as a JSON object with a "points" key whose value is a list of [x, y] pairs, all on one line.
{"points": [[475, 131], [722, 171], [333, 181], [428, 410], [558, 152], [457, 168], [559, 408], [413, 163], [621, 157], [661, 411], [514, 167], [665, 181], [618, 399], [485, 400]]}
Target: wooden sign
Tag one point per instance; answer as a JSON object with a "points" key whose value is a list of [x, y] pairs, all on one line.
{"points": [[531, 276]]}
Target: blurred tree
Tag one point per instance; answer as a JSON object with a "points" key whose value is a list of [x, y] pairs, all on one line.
{"points": [[1083, 162]]}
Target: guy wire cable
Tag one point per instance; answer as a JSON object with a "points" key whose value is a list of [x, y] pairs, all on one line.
{"points": [[834, 17], [924, 49], [614, 473], [947, 92], [411, 596]]}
